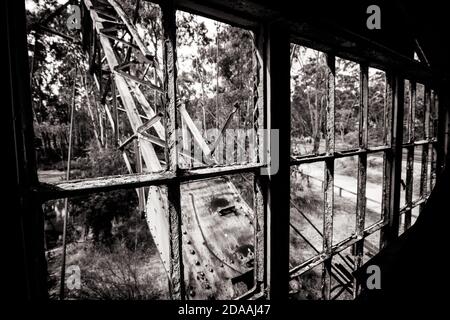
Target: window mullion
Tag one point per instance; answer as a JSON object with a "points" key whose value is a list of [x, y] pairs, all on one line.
{"points": [[362, 170], [176, 272], [329, 178], [410, 153], [425, 148]]}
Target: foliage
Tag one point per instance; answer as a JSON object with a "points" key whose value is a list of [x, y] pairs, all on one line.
{"points": [[308, 98], [99, 210]]}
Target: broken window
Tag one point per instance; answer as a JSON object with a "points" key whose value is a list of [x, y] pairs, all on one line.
{"points": [[216, 91]]}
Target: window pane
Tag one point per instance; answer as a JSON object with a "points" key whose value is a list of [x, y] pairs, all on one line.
{"points": [[218, 236], [417, 176], [345, 195], [341, 276], [419, 132], [406, 111], [347, 104], [308, 285], [216, 73], [434, 114], [110, 249], [306, 220], [376, 108], [374, 188], [308, 100], [63, 75], [371, 246]]}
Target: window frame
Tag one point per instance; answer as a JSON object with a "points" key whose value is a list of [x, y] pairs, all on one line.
{"points": [[397, 68]]}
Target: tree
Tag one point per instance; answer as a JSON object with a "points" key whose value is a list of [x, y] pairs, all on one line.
{"points": [[97, 211], [308, 98]]}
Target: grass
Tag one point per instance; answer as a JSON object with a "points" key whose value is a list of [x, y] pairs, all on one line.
{"points": [[116, 274], [128, 268]]}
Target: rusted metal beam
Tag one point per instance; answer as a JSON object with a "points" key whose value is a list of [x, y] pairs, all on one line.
{"points": [[393, 165], [278, 207], [259, 222], [442, 133], [362, 171], [148, 153], [176, 272], [208, 171], [140, 191], [103, 34], [335, 249], [329, 178], [410, 152], [388, 154], [433, 135], [224, 127], [151, 138], [195, 132], [324, 156], [414, 204], [131, 28], [260, 182], [139, 80], [42, 29], [425, 148], [92, 185], [84, 186], [149, 110], [115, 110]]}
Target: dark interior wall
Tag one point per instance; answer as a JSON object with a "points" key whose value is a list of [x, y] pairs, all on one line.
{"points": [[20, 210], [402, 21]]}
